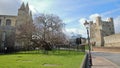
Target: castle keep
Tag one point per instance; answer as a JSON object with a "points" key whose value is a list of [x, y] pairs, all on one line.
{"points": [[101, 29]]}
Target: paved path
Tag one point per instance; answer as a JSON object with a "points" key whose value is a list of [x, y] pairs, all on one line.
{"points": [[105, 60]]}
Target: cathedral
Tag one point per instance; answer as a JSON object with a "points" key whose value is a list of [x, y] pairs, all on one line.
{"points": [[9, 25]]}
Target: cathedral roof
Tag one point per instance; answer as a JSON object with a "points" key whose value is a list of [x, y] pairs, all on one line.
{"points": [[22, 6], [27, 6]]}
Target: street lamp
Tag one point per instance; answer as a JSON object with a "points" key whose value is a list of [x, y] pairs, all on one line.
{"points": [[86, 24]]}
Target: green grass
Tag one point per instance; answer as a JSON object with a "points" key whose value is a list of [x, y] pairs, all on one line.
{"points": [[62, 59]]}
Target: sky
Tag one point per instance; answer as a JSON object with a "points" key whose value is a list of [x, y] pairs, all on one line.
{"points": [[72, 12]]}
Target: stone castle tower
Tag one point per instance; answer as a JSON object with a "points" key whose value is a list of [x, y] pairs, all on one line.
{"points": [[100, 29]]}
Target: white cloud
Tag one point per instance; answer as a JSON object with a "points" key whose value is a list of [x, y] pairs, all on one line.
{"points": [[75, 31], [82, 20], [117, 24], [41, 5], [93, 17], [90, 18], [69, 20], [71, 30], [34, 11]]}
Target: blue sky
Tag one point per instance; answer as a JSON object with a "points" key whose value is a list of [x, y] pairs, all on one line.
{"points": [[74, 12]]}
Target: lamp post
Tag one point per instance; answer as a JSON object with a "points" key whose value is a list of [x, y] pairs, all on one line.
{"points": [[86, 24]]}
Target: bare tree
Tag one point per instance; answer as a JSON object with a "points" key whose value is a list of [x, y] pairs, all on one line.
{"points": [[24, 33], [50, 27]]}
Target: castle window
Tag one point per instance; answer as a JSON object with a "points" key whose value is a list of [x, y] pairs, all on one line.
{"points": [[8, 22], [110, 29], [106, 34]]}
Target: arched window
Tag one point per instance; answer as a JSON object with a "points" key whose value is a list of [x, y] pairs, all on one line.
{"points": [[8, 22]]}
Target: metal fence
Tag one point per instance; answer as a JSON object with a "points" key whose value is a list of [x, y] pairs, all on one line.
{"points": [[46, 48]]}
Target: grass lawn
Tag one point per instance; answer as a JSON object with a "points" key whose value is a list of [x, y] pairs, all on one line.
{"points": [[62, 59]]}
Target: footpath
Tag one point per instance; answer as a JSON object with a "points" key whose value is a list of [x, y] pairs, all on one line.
{"points": [[101, 62]]}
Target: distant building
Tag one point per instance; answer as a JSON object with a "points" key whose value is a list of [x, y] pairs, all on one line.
{"points": [[73, 40]]}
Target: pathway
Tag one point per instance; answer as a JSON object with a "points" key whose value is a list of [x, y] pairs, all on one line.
{"points": [[105, 60]]}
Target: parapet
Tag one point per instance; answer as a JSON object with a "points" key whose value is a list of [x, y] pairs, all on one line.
{"points": [[91, 22], [98, 18], [110, 19]]}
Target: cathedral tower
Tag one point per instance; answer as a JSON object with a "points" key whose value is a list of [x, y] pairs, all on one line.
{"points": [[24, 18]]}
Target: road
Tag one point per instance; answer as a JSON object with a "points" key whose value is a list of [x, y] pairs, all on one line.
{"points": [[113, 57]]}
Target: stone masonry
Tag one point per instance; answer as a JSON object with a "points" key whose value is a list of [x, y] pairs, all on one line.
{"points": [[100, 29]]}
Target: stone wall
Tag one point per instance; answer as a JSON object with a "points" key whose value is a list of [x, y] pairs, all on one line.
{"points": [[7, 37], [112, 40]]}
